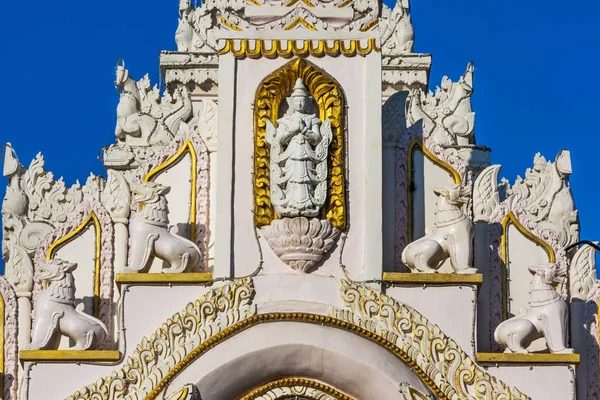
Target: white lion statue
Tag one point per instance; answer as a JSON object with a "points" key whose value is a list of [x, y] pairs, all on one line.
{"points": [[451, 236], [546, 317], [150, 236], [56, 314]]}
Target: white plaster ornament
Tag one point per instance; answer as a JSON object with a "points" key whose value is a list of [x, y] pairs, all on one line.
{"points": [[301, 242], [451, 237], [150, 236], [56, 314], [143, 117], [547, 315]]}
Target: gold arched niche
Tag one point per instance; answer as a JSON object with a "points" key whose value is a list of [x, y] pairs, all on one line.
{"points": [[330, 99], [90, 220], [299, 387], [511, 219], [186, 148], [417, 144]]}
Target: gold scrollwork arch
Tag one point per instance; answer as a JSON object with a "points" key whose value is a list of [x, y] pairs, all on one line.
{"points": [[511, 219], [437, 360], [330, 99], [288, 387], [414, 145]]}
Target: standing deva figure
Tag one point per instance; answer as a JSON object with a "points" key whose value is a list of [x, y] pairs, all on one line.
{"points": [[299, 149]]}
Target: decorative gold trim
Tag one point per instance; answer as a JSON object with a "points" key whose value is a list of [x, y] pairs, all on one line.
{"points": [[416, 142], [181, 394], [296, 382], [242, 48], [328, 95], [433, 279], [54, 247], [69, 355], [345, 3], [254, 3], [189, 147], [163, 279], [306, 2], [536, 358], [369, 25], [231, 25], [300, 21], [289, 317], [511, 218]]}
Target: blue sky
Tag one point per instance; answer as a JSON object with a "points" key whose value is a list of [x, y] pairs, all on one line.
{"points": [[536, 89]]}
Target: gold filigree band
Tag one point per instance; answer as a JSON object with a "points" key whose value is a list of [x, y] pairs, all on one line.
{"points": [[307, 388], [257, 48]]}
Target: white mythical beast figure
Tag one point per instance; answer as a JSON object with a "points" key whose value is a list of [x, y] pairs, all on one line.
{"points": [[150, 236], [546, 317], [451, 236], [56, 314]]}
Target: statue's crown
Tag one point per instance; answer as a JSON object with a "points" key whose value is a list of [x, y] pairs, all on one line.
{"points": [[300, 89]]}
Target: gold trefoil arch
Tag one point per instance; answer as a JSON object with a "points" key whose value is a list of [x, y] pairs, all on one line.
{"points": [[330, 99]]}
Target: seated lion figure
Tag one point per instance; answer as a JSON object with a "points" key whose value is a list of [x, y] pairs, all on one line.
{"points": [[546, 317], [149, 234], [56, 314], [451, 237]]}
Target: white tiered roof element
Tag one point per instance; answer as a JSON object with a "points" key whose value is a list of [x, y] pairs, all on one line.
{"points": [[200, 179]]}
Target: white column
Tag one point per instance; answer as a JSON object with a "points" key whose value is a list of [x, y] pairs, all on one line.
{"points": [[224, 178], [373, 238], [24, 303], [121, 242]]}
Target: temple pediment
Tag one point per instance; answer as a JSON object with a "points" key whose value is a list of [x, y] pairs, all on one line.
{"points": [[296, 214]]}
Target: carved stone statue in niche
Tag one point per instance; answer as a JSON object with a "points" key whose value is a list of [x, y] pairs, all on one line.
{"points": [[299, 181], [547, 315], [56, 314], [451, 237], [299, 150]]}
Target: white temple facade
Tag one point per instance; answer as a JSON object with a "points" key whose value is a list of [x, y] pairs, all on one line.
{"points": [[296, 216]]}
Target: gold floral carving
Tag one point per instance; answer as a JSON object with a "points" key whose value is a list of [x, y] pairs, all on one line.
{"points": [[259, 48], [160, 357], [289, 387], [331, 102], [438, 360]]}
